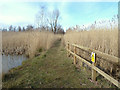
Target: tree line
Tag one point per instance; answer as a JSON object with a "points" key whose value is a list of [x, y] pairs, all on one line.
{"points": [[19, 28], [49, 20], [45, 21]]}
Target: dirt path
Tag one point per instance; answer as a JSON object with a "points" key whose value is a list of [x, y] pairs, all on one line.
{"points": [[50, 70]]}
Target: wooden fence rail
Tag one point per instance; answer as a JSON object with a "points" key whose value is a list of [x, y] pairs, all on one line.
{"points": [[95, 69]]}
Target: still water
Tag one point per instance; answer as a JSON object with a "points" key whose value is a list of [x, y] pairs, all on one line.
{"points": [[11, 61]]}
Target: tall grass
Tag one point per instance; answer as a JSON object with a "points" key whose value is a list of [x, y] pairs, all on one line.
{"points": [[104, 39], [101, 38], [27, 42]]}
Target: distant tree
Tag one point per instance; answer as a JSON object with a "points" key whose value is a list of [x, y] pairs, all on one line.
{"points": [[59, 27], [60, 30], [41, 18], [10, 28], [45, 19], [23, 28], [19, 29], [53, 20], [47, 28], [57, 14], [4, 29], [29, 27], [14, 29]]}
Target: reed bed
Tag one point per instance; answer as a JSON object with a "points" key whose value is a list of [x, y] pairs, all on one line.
{"points": [[104, 39], [28, 42], [101, 36]]}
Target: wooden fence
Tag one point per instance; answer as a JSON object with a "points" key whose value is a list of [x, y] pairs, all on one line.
{"points": [[95, 69]]}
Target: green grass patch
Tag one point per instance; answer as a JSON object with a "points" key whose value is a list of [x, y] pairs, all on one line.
{"points": [[52, 69]]}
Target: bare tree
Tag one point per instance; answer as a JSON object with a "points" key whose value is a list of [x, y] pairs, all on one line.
{"points": [[60, 30], [50, 21], [44, 19], [41, 17], [23, 28], [56, 14], [53, 20], [19, 29]]}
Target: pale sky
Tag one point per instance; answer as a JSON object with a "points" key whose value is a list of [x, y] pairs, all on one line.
{"points": [[72, 13]]}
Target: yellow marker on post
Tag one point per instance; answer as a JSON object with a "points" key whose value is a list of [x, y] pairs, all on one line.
{"points": [[93, 57], [93, 64]]}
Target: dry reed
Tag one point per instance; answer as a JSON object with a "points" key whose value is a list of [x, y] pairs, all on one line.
{"points": [[98, 37], [102, 40], [27, 42]]}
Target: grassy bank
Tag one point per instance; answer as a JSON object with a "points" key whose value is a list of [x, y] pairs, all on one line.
{"points": [[52, 69]]}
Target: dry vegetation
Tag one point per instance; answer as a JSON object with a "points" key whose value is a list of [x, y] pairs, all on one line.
{"points": [[27, 42], [103, 40], [98, 38]]}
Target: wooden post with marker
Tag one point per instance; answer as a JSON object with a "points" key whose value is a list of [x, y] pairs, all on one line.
{"points": [[93, 59]]}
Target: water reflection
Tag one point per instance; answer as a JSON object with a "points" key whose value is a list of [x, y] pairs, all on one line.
{"points": [[11, 61]]}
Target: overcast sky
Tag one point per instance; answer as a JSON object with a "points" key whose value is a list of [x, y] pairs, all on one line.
{"points": [[72, 13]]}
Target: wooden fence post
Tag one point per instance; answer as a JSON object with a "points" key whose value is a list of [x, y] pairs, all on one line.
{"points": [[94, 63], [94, 71], [81, 63], [74, 55], [68, 49]]}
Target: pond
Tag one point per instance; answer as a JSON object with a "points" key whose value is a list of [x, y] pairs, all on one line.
{"points": [[11, 61]]}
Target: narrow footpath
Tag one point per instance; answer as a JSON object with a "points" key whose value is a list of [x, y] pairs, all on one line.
{"points": [[53, 69]]}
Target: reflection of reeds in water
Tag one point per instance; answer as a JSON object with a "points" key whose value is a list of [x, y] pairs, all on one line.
{"points": [[26, 42]]}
